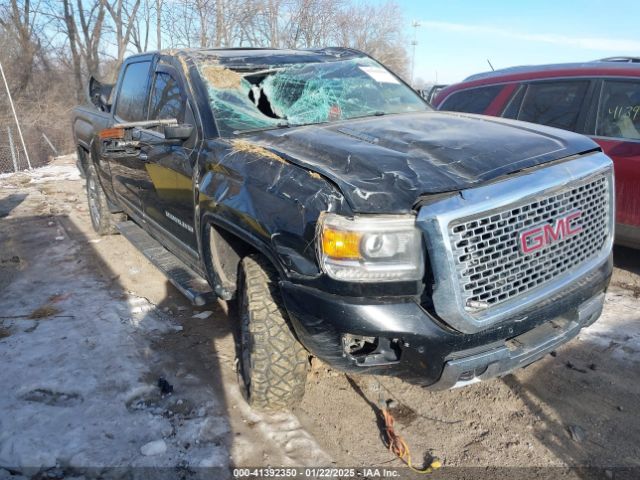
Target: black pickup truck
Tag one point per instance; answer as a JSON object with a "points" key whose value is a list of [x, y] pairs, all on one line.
{"points": [[349, 220]]}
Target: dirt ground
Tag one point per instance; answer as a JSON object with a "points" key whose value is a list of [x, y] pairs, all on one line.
{"points": [[577, 407]]}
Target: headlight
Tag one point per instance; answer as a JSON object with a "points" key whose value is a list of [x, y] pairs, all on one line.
{"points": [[377, 248]]}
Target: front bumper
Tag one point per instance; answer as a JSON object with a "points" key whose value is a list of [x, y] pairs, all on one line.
{"points": [[521, 350], [419, 348]]}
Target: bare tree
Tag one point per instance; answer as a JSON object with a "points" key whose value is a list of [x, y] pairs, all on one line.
{"points": [[123, 15], [82, 23], [231, 19], [142, 26], [242, 23], [186, 23], [18, 21], [267, 24], [219, 23], [175, 25], [72, 33], [376, 30], [42, 87], [204, 11], [50, 47], [313, 23], [159, 4]]}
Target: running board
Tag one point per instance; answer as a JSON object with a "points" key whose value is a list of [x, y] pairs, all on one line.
{"points": [[190, 284]]}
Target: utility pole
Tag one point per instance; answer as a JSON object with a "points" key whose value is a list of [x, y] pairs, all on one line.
{"points": [[15, 116], [414, 42]]}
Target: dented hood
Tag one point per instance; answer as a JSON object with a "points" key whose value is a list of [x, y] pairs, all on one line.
{"points": [[385, 164]]}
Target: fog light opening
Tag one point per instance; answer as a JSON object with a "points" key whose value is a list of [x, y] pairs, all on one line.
{"points": [[371, 351], [355, 345]]}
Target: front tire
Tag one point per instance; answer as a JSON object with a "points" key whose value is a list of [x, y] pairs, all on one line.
{"points": [[272, 366], [103, 221]]}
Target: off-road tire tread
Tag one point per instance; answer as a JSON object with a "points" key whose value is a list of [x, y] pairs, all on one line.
{"points": [[279, 362]]}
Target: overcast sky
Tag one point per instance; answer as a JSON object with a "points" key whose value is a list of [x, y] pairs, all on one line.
{"points": [[456, 37]]}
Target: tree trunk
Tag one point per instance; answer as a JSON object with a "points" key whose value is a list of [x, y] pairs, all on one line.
{"points": [[158, 24], [73, 46]]}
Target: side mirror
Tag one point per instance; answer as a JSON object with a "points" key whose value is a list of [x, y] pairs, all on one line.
{"points": [[104, 101], [178, 132], [99, 94]]}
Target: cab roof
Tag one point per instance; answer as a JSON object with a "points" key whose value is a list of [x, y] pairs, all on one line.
{"points": [[598, 67], [263, 56]]}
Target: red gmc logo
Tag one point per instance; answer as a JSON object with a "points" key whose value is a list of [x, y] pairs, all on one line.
{"points": [[538, 237]]}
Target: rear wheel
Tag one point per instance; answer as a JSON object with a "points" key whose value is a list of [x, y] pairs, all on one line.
{"points": [[272, 364], [102, 219]]}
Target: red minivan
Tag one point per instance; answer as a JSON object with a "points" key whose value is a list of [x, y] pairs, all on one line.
{"points": [[600, 99]]}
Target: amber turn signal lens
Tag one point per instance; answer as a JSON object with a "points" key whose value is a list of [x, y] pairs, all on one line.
{"points": [[341, 244], [112, 134]]}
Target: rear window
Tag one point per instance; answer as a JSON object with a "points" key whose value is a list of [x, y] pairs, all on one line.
{"points": [[132, 97], [166, 100], [474, 100], [619, 110], [555, 104]]}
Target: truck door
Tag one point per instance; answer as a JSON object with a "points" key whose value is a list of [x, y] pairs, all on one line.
{"points": [[128, 173], [168, 201]]}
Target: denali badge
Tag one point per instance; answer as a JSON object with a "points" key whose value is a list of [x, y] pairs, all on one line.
{"points": [[182, 223], [538, 237]]}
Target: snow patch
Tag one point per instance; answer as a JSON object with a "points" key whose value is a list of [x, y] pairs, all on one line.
{"points": [[157, 447], [62, 169], [618, 328], [80, 387], [283, 430]]}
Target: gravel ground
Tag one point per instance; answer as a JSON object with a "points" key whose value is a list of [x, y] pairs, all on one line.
{"points": [[88, 328]]}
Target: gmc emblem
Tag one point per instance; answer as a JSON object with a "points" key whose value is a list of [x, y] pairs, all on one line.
{"points": [[535, 238]]}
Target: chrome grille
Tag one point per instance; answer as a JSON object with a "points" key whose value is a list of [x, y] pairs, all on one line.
{"points": [[490, 266]]}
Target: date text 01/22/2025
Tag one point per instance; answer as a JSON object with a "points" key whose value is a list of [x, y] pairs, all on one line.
{"points": [[267, 472]]}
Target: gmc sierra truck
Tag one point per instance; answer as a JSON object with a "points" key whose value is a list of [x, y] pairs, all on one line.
{"points": [[349, 220]]}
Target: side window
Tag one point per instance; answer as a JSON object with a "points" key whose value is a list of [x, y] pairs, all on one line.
{"points": [[556, 104], [166, 99], [132, 97], [474, 100], [513, 107], [619, 110]]}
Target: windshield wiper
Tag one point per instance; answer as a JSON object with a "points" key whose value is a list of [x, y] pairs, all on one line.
{"points": [[374, 113], [283, 124]]}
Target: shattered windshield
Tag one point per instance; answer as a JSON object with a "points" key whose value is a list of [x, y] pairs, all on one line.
{"points": [[303, 93]]}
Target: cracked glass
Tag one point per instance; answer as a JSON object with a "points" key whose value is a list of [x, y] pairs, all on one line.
{"points": [[245, 99]]}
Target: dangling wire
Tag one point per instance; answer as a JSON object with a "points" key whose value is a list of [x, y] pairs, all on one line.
{"points": [[396, 444]]}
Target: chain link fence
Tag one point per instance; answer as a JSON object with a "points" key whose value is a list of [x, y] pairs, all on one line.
{"points": [[43, 132], [41, 143], [12, 155]]}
